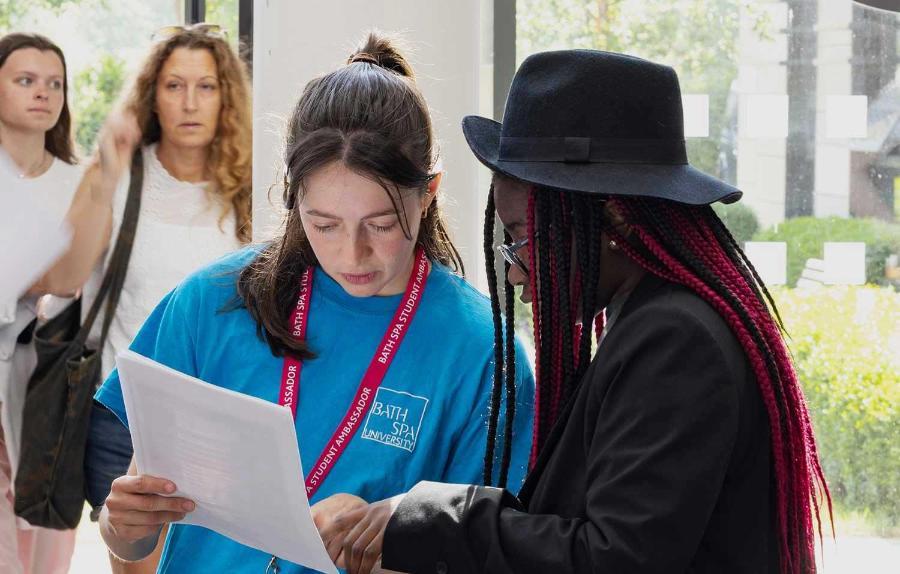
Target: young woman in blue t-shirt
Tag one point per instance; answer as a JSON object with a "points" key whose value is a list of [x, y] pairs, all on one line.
{"points": [[361, 286]]}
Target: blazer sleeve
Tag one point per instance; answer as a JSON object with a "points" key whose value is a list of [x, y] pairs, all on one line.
{"points": [[658, 439]]}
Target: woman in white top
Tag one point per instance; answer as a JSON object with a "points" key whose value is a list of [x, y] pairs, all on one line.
{"points": [[35, 131], [189, 111]]}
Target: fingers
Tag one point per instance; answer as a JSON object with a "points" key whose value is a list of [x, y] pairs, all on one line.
{"points": [[335, 546], [353, 537], [123, 128], [342, 522], [126, 502], [368, 537], [325, 511], [140, 518], [366, 550], [137, 506], [118, 139], [144, 484]]}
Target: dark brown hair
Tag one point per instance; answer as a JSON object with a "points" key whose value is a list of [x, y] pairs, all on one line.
{"points": [[369, 115], [58, 139]]}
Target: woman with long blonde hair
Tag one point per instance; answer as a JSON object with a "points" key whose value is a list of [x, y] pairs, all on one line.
{"points": [[188, 114]]}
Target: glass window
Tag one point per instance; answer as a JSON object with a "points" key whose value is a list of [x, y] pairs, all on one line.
{"points": [[103, 43], [225, 14]]}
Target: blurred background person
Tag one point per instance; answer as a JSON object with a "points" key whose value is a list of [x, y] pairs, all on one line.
{"points": [[188, 113], [35, 132]]}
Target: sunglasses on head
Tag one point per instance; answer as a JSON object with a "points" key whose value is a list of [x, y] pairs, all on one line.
{"points": [[211, 30]]}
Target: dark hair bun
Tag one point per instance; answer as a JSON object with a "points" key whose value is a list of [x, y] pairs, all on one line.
{"points": [[381, 51]]}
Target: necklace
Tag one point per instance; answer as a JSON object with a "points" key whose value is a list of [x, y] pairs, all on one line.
{"points": [[36, 168]]}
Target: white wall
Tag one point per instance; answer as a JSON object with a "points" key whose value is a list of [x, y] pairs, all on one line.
{"points": [[294, 42]]}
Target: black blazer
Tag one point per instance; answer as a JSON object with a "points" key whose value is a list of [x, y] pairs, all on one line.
{"points": [[660, 463]]}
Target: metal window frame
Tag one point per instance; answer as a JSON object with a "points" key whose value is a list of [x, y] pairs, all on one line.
{"points": [[245, 31], [194, 11], [504, 52]]}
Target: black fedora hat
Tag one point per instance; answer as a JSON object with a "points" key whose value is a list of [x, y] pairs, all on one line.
{"points": [[597, 122]]}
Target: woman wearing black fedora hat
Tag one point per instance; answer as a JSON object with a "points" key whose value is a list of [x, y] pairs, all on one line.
{"points": [[684, 445]]}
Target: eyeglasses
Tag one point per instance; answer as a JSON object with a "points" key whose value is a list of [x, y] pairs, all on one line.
{"points": [[509, 251], [211, 30]]}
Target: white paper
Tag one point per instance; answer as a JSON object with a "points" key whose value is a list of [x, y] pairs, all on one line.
{"points": [[31, 237], [234, 455]]}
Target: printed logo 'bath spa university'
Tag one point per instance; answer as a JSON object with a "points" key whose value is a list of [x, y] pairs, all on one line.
{"points": [[395, 418]]}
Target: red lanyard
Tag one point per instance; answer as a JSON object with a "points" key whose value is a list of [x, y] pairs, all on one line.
{"points": [[290, 373]]}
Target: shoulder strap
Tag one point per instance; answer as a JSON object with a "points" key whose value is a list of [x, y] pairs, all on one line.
{"points": [[114, 278]]}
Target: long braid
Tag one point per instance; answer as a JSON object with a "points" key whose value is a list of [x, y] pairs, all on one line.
{"points": [[783, 356], [685, 276], [581, 230], [557, 372], [562, 217], [588, 237], [675, 243], [724, 236], [494, 414], [798, 438], [561, 364], [510, 368], [536, 320], [545, 379]]}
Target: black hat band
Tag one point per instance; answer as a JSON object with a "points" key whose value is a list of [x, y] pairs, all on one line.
{"points": [[592, 150]]}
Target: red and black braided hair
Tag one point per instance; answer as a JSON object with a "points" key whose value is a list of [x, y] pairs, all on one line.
{"points": [[685, 244]]}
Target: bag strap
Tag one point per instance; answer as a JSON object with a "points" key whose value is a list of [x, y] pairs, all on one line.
{"points": [[114, 278]]}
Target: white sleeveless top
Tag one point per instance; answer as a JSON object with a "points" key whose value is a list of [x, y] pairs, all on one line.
{"points": [[178, 231]]}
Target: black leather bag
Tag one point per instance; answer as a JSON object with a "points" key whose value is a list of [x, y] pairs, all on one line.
{"points": [[49, 485]]}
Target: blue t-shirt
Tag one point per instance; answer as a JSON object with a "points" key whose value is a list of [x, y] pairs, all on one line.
{"points": [[428, 420]]}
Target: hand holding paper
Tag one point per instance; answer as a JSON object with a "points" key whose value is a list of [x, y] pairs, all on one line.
{"points": [[136, 510], [235, 455]]}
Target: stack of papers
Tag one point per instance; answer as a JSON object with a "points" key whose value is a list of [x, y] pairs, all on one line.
{"points": [[234, 455]]}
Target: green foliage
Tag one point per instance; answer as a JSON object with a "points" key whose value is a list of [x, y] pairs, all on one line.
{"points": [[805, 235], [846, 346], [12, 10], [225, 14], [740, 219], [96, 89]]}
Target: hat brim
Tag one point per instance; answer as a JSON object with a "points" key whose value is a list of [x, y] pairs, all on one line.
{"points": [[681, 183]]}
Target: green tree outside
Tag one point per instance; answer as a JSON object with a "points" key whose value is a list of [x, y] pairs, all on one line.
{"points": [[95, 92], [699, 38], [12, 10]]}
